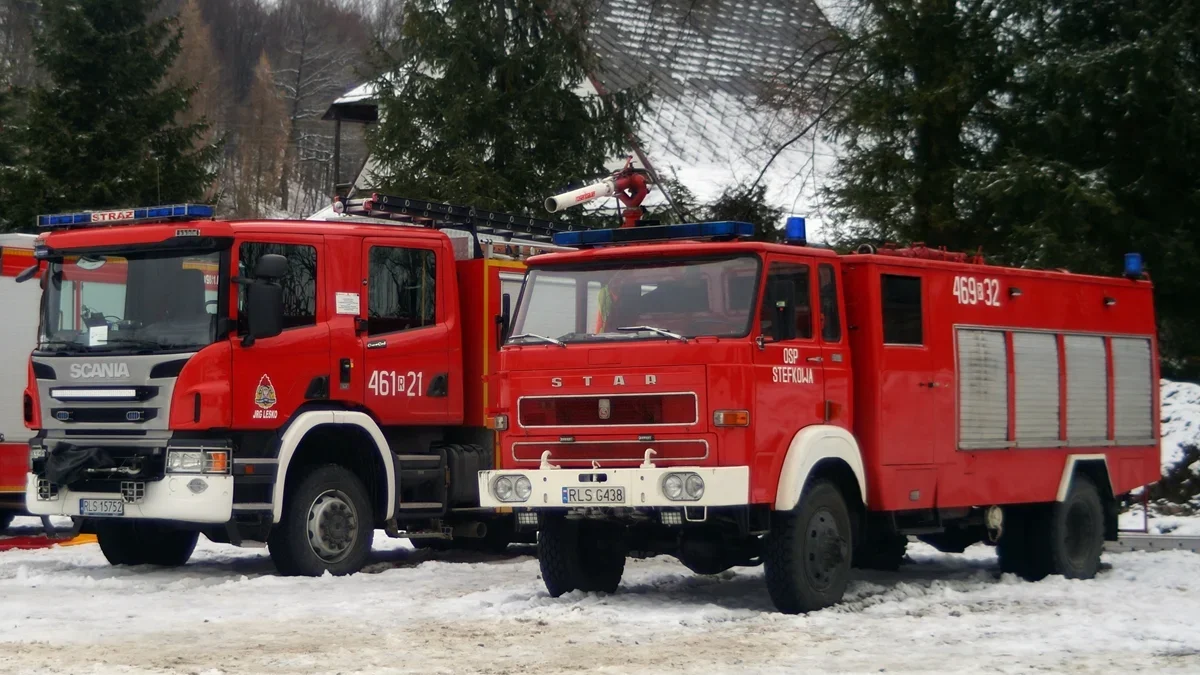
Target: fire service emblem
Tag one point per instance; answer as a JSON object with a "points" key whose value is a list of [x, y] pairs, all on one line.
{"points": [[605, 409]]}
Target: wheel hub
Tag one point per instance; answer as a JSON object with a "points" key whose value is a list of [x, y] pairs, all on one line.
{"points": [[332, 526], [825, 549]]}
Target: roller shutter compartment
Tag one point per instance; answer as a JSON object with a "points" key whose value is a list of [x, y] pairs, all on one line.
{"points": [[1035, 371], [982, 389], [1133, 417], [1087, 390]]}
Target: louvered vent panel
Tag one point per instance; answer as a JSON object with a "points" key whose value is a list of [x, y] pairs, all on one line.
{"points": [[1035, 369], [1087, 390], [1133, 417], [982, 389]]}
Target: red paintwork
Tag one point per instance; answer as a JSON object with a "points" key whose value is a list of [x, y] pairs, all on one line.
{"points": [[906, 429], [14, 464], [227, 375]]}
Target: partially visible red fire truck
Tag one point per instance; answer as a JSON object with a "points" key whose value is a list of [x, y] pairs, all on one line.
{"points": [[17, 337], [294, 383], [732, 403]]}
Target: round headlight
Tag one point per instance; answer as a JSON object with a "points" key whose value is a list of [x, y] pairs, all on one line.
{"points": [[523, 487], [672, 486], [694, 486], [503, 488]]}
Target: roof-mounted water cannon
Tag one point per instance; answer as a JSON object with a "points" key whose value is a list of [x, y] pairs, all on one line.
{"points": [[629, 185]]}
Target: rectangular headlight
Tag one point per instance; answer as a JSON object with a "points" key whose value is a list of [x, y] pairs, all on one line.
{"points": [[185, 461], [198, 461]]}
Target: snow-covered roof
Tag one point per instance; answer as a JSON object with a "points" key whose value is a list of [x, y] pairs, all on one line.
{"points": [[703, 62]]}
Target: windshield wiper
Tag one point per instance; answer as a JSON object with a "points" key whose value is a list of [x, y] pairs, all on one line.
{"points": [[543, 338], [133, 342], [654, 329], [45, 344]]}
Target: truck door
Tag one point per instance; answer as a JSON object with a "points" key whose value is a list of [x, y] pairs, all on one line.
{"points": [[789, 382], [407, 347], [908, 383], [835, 352], [272, 377]]}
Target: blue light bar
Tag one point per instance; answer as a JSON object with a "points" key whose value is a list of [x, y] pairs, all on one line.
{"points": [[716, 230], [125, 216]]}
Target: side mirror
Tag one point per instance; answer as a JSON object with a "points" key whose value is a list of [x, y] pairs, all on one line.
{"points": [[271, 266], [264, 311], [28, 273]]}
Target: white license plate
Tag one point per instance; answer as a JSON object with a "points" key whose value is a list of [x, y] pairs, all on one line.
{"points": [[593, 495], [101, 507]]}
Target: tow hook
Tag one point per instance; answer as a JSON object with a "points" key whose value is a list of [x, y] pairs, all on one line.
{"points": [[62, 533]]}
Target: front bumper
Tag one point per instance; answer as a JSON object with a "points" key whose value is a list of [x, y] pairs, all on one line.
{"points": [[723, 486], [166, 499]]}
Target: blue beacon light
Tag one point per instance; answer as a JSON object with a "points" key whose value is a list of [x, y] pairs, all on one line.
{"points": [[1133, 265], [794, 231]]}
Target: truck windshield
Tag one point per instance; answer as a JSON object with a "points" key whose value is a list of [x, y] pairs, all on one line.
{"points": [[133, 301], [642, 299]]}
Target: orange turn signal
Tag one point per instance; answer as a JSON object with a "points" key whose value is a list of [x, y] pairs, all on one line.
{"points": [[218, 462], [496, 422], [731, 418]]}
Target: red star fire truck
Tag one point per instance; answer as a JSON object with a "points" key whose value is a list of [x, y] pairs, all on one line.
{"points": [[294, 383], [733, 402]]}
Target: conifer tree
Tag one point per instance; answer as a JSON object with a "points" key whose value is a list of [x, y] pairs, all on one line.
{"points": [[102, 131], [481, 109]]}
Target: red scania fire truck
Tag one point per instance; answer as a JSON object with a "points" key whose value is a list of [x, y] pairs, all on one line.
{"points": [[733, 402], [294, 383]]}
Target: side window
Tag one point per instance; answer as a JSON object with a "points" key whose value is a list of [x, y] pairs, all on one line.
{"points": [[901, 310], [831, 322], [402, 290], [788, 294], [299, 285]]}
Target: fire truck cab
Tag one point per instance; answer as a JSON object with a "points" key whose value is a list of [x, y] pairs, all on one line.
{"points": [[293, 383], [736, 403]]}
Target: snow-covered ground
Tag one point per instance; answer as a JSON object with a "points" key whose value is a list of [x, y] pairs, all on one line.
{"points": [[1180, 418], [66, 611]]}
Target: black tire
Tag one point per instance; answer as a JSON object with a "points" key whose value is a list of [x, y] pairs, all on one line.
{"points": [[327, 525], [808, 551], [884, 551], [6, 518], [144, 542], [1075, 531], [585, 556]]}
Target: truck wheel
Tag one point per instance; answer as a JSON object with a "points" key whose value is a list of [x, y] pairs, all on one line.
{"points": [[1075, 531], [327, 525], [145, 543], [808, 551], [580, 556]]}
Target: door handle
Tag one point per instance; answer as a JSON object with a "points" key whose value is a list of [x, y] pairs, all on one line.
{"points": [[931, 385], [814, 359]]}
